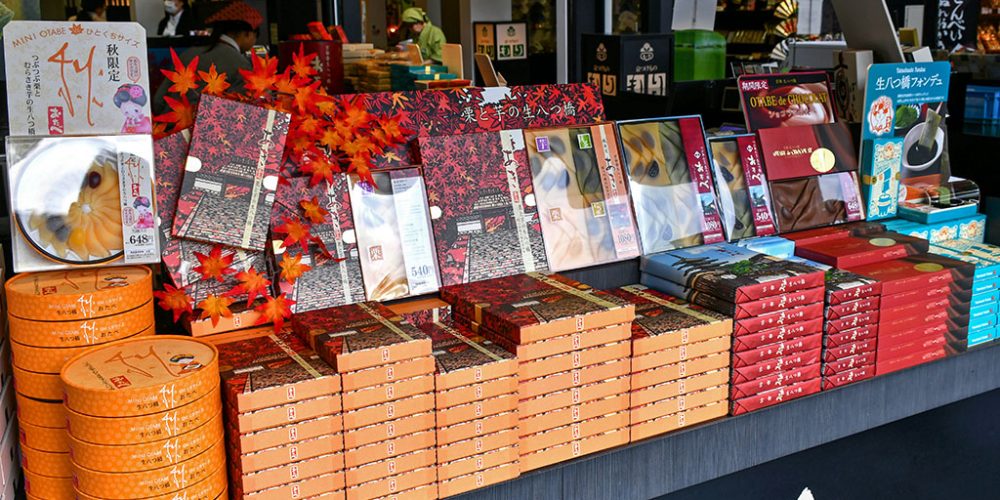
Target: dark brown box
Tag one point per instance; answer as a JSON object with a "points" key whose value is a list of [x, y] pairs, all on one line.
{"points": [[663, 322]]}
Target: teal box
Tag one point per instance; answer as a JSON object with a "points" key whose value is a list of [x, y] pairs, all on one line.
{"points": [[969, 228], [982, 337], [435, 76], [979, 312], [978, 249], [972, 228], [929, 214], [985, 286], [982, 299], [983, 323], [775, 246], [986, 269]]}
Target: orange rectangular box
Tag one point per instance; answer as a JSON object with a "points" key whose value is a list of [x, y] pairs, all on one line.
{"points": [[290, 453], [476, 445], [678, 387], [277, 476], [679, 420], [321, 486], [390, 391], [243, 317], [556, 418], [476, 392], [477, 409], [464, 357], [287, 414], [394, 484], [564, 344], [664, 322], [373, 471], [477, 427], [478, 479], [374, 433], [571, 450], [668, 373], [388, 411], [573, 378], [578, 430], [476, 463], [573, 396], [389, 372], [680, 403], [681, 353], [375, 452], [575, 359], [292, 433]]}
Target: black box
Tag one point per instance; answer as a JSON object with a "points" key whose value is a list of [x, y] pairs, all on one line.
{"points": [[636, 64]]}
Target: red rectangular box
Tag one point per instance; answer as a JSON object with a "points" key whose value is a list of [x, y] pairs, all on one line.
{"points": [[831, 354], [574, 378], [779, 334], [677, 388], [862, 333], [779, 395], [770, 367], [780, 379], [751, 309], [909, 361], [778, 350], [917, 318], [679, 354], [902, 275], [844, 286], [848, 377], [853, 307], [845, 364], [556, 418], [903, 350], [854, 251], [852, 322], [890, 340], [778, 318], [916, 295]]}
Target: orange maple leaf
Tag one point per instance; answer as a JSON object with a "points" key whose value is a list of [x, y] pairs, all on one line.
{"points": [[361, 165], [275, 310], [393, 131], [262, 77], [76, 29], [320, 169], [306, 97], [252, 283], [214, 265], [302, 63], [354, 114], [313, 210], [215, 307], [286, 84], [361, 145], [175, 300], [215, 82], [331, 138], [181, 113], [183, 78], [292, 268], [310, 125], [295, 232]]}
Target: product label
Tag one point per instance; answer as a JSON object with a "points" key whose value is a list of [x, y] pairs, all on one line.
{"points": [[697, 157], [138, 222], [760, 199], [414, 231]]}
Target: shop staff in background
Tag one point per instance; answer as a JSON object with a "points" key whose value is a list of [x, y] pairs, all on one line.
{"points": [[178, 19], [429, 37], [92, 10], [234, 33]]}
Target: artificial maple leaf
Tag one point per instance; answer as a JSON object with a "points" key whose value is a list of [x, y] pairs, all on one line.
{"points": [[392, 129], [275, 310], [331, 138], [302, 63], [313, 210], [183, 78], [292, 268], [175, 300], [181, 114], [252, 283], [215, 307], [310, 125], [214, 265], [286, 84], [215, 82], [306, 97], [361, 145], [361, 165], [354, 114], [319, 169], [295, 232], [263, 75]]}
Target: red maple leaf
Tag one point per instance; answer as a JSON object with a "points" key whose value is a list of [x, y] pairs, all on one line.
{"points": [[214, 265], [175, 300], [306, 97], [313, 210], [331, 138], [215, 307], [183, 78], [361, 165], [354, 115], [252, 283], [320, 169], [295, 232], [292, 268], [275, 310], [286, 84], [360, 145], [262, 77], [181, 114], [215, 82], [394, 132], [302, 63]]}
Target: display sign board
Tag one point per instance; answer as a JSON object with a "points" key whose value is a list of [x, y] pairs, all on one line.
{"points": [[501, 41]]}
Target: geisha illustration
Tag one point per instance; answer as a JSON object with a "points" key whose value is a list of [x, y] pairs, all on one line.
{"points": [[131, 99]]}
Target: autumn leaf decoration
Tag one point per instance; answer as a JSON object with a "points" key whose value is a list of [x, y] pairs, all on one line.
{"points": [[253, 284], [313, 210], [215, 307], [292, 267], [174, 300], [275, 310], [214, 265]]}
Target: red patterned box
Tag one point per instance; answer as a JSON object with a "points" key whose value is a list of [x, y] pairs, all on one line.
{"points": [[848, 377], [776, 396], [779, 334], [781, 379], [776, 319]]}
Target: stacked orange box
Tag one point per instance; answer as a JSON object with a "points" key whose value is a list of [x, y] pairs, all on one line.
{"points": [[573, 346], [680, 362], [476, 400], [54, 316], [145, 421], [283, 417], [387, 374]]}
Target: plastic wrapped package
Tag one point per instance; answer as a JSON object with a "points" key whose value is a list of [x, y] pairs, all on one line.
{"points": [[744, 199]]}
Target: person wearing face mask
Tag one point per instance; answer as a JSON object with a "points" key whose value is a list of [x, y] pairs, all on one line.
{"points": [[92, 10], [430, 38], [178, 20]]}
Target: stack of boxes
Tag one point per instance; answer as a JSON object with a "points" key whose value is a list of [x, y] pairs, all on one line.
{"points": [[777, 308], [387, 375], [573, 349], [971, 228], [852, 306], [680, 363], [144, 421], [475, 392], [404, 77], [54, 316], [985, 301], [9, 471], [283, 417]]}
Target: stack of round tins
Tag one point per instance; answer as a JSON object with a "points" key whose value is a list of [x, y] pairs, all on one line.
{"points": [[54, 316], [145, 420]]}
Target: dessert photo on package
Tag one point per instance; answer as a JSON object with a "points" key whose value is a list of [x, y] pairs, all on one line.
{"points": [[744, 199], [393, 229], [81, 202], [482, 206], [669, 171], [583, 202]]}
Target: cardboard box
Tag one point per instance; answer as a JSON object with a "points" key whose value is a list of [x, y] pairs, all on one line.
{"points": [[573, 449], [831, 354], [359, 336], [779, 334], [287, 434], [848, 377], [464, 357], [273, 370], [398, 483], [475, 392], [355, 438], [289, 453], [669, 373], [477, 428], [779, 318], [785, 378], [678, 387], [478, 479], [573, 396], [559, 417], [775, 396], [476, 445], [772, 366], [388, 411], [290, 473], [854, 251], [476, 463], [681, 353], [561, 345], [476, 409], [664, 322], [853, 307], [842, 365], [679, 420], [379, 375], [398, 464], [357, 457], [314, 487], [769, 352], [573, 378], [680, 403], [400, 389], [277, 416]]}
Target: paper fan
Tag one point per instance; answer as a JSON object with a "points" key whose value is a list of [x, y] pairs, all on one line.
{"points": [[786, 9]]}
